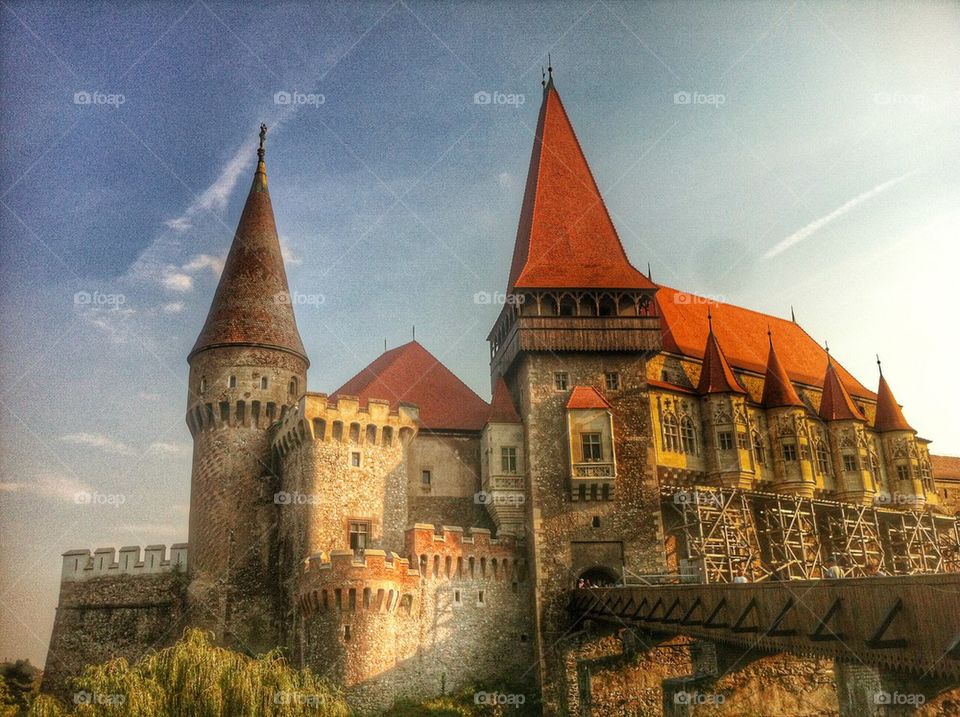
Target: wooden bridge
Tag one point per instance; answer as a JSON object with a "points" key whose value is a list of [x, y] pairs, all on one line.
{"points": [[908, 624]]}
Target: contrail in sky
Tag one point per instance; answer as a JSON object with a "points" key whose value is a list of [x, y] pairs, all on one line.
{"points": [[818, 224]]}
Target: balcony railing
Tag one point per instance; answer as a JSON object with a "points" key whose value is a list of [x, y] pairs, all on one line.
{"points": [[593, 470]]}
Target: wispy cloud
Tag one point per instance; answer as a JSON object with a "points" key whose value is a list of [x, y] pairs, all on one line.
{"points": [[48, 486], [174, 307], [97, 440], [205, 261], [159, 447], [816, 225], [177, 281], [216, 195]]}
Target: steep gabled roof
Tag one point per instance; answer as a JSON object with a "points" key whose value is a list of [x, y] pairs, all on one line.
{"points": [[252, 306], [889, 414], [777, 389], [586, 397], [716, 376], [502, 409], [411, 374], [835, 403], [743, 334], [565, 238]]}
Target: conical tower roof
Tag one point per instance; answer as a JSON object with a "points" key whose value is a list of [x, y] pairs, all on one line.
{"points": [[565, 238], [502, 409], [252, 306], [889, 414], [777, 389], [835, 403], [716, 376]]}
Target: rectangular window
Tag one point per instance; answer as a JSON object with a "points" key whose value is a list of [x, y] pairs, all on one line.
{"points": [[903, 472], [359, 535], [233, 382], [725, 440], [355, 459], [263, 382], [592, 451], [613, 381], [790, 452], [560, 380], [425, 477], [508, 459], [742, 441], [481, 597], [849, 462]]}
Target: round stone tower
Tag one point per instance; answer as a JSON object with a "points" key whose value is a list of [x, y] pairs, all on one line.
{"points": [[247, 368]]}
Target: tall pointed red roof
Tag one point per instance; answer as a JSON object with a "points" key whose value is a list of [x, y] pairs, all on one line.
{"points": [[411, 374], [565, 238], [835, 403], [251, 306], [889, 414], [777, 389], [716, 376], [502, 409]]}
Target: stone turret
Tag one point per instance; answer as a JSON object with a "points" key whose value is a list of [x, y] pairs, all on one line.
{"points": [[247, 368], [908, 465], [789, 430], [726, 431], [503, 463]]}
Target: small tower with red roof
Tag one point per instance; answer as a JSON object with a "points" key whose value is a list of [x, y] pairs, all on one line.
{"points": [[247, 368], [727, 438], [909, 476], [787, 423], [851, 459], [503, 463]]}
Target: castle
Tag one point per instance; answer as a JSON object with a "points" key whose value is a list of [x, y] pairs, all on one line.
{"points": [[324, 523]]}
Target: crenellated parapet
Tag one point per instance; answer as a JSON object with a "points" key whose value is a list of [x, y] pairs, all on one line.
{"points": [[341, 581], [452, 554], [343, 419], [79, 565]]}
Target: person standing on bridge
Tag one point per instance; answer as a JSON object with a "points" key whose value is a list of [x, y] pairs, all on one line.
{"points": [[741, 576], [833, 571]]}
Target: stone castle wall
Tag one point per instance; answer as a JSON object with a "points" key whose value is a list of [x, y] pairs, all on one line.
{"points": [[115, 608]]}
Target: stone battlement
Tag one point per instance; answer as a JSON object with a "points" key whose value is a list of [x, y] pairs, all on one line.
{"points": [[81, 564], [319, 418], [340, 580], [453, 554]]}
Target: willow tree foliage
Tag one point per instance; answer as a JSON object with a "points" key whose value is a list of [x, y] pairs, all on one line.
{"points": [[194, 678]]}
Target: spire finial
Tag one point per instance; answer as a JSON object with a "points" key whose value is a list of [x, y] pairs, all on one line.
{"points": [[543, 77], [649, 274], [550, 66], [263, 138], [710, 319], [414, 332], [793, 316], [770, 335], [879, 366]]}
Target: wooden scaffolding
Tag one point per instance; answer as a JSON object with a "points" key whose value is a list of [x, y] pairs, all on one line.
{"points": [[789, 536], [913, 542]]}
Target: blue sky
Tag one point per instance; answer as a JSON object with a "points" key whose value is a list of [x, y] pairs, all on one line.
{"points": [[822, 174]]}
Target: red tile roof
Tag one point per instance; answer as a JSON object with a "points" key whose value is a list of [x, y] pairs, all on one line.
{"points": [[945, 466], [743, 334], [777, 389], [586, 397], [716, 376], [889, 416], [252, 303], [411, 374], [835, 403], [502, 409], [565, 238]]}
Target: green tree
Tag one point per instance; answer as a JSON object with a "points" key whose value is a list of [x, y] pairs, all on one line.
{"points": [[194, 678]]}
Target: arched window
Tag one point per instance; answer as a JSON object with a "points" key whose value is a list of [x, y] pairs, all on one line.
{"points": [[203, 385], [823, 458], [759, 452], [671, 434], [688, 435], [294, 386], [568, 306], [263, 382]]}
